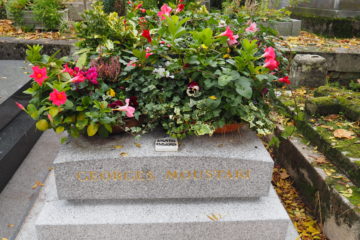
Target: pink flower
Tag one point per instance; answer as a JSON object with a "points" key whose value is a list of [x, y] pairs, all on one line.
{"points": [[146, 34], [91, 74], [269, 53], [143, 10], [20, 106], [165, 10], [180, 7], [271, 64], [131, 63], [148, 52], [58, 98], [285, 80], [50, 118], [252, 28], [162, 42], [127, 109], [232, 38], [39, 74], [78, 78], [138, 6], [70, 71]]}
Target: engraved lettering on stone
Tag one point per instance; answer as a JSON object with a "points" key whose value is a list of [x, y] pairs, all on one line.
{"points": [[169, 175]]}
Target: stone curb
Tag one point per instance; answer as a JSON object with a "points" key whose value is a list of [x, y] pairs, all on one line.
{"points": [[12, 48], [340, 218]]}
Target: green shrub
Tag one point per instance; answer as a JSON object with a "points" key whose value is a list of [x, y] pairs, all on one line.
{"points": [[2, 9], [15, 9], [47, 11]]}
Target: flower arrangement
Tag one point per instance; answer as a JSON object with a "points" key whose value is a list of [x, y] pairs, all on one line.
{"points": [[180, 67]]}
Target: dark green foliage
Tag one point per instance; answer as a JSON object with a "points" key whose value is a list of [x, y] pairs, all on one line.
{"points": [[2, 10], [330, 27], [118, 6], [47, 11]]}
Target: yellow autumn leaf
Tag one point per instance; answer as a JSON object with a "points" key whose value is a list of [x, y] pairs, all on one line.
{"points": [[213, 97], [118, 146], [124, 154], [138, 145]]}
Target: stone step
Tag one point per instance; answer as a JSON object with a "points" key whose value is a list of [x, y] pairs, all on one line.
{"points": [[231, 165], [226, 219]]}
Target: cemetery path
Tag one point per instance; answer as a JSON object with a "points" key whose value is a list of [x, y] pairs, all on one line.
{"points": [[13, 75]]}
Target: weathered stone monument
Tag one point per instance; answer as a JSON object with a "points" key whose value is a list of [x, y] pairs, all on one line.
{"points": [[308, 70], [120, 188]]}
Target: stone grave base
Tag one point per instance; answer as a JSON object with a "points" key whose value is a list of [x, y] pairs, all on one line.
{"points": [[226, 219]]}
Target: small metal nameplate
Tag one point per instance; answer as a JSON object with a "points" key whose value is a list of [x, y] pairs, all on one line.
{"points": [[166, 145]]}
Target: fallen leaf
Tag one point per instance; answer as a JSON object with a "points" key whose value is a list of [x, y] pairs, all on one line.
{"points": [[320, 160], [343, 133], [138, 145], [4, 239], [331, 117], [284, 175], [327, 127], [118, 146], [11, 225], [124, 154], [37, 184], [347, 193]]}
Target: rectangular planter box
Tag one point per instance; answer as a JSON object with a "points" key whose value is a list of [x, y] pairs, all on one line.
{"points": [[290, 28], [76, 9], [29, 19]]}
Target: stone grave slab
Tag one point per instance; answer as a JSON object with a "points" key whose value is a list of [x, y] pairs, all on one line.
{"points": [[231, 165], [227, 219]]}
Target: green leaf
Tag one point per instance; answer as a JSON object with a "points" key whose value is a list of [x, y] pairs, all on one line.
{"points": [[224, 80], [243, 87], [33, 112], [54, 111], [92, 129], [81, 61], [59, 129], [42, 125]]}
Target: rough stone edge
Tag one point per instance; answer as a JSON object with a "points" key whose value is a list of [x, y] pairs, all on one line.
{"points": [[50, 46], [334, 211], [342, 162]]}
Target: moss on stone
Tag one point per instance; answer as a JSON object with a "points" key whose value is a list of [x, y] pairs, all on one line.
{"points": [[328, 26]]}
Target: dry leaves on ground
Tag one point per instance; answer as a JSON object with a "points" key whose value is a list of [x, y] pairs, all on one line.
{"points": [[7, 29], [306, 225], [306, 39]]}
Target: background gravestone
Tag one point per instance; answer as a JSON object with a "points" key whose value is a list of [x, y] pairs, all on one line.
{"points": [[308, 70]]}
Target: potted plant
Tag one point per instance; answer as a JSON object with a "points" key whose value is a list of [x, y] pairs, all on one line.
{"points": [[180, 67], [38, 14]]}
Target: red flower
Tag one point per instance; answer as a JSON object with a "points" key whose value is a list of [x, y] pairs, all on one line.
{"points": [[271, 64], [138, 6], [180, 7], [269, 53], [39, 74], [143, 10], [20, 106], [58, 98], [146, 34], [285, 80]]}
